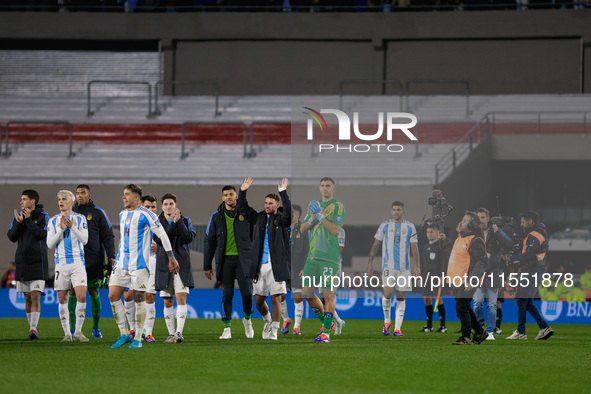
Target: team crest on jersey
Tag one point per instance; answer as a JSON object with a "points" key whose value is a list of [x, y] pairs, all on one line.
{"points": [[89, 216], [403, 231], [298, 235], [128, 221], [241, 218], [432, 256], [134, 222], [397, 231]]}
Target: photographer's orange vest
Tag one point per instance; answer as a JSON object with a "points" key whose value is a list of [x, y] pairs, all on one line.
{"points": [[459, 260]]}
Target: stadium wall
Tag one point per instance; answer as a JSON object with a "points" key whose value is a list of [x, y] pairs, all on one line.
{"points": [[498, 52]]}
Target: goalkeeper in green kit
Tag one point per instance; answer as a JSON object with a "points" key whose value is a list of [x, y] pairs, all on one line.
{"points": [[324, 219]]}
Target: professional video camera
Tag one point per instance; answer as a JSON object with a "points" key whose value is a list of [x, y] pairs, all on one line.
{"points": [[438, 202]]}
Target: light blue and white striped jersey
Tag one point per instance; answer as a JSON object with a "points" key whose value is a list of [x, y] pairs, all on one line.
{"points": [[136, 228], [69, 243], [396, 240]]}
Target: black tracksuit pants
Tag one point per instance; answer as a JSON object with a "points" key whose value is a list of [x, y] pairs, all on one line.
{"points": [[230, 272]]}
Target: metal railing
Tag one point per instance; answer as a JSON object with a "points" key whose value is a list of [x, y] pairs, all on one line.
{"points": [[461, 149], [438, 82], [204, 82], [185, 154], [90, 112], [538, 118], [382, 82], [487, 125], [252, 153], [7, 152]]}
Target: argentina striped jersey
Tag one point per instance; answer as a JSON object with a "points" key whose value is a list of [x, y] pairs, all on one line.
{"points": [[396, 240], [136, 229], [68, 243]]}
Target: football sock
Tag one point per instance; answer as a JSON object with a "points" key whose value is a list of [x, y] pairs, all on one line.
{"points": [[34, 320], [169, 319], [29, 319], [499, 317], [387, 306], [267, 317], [64, 318], [80, 316], [275, 326], [319, 315], [119, 316], [299, 313], [150, 318], [429, 311], [95, 302], [441, 309], [140, 319], [284, 313], [337, 318], [328, 318], [181, 317], [400, 308], [130, 313], [247, 316], [72, 310], [227, 323]]}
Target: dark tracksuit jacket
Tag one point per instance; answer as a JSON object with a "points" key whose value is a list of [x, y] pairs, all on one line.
{"points": [[215, 240], [180, 234], [100, 239], [31, 252], [277, 226]]}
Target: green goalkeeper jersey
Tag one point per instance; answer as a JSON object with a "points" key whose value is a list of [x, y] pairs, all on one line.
{"points": [[324, 245]]}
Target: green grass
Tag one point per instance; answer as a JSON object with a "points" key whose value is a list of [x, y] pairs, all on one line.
{"points": [[360, 360]]}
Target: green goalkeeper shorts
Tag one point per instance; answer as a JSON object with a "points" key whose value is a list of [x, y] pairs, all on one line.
{"points": [[319, 273]]}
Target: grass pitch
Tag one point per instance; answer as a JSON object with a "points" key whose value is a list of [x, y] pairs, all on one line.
{"points": [[359, 360]]}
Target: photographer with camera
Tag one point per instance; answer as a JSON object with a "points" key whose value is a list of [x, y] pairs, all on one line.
{"points": [[532, 262], [495, 241]]}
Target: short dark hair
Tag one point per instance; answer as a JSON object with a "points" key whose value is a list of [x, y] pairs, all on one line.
{"points": [[297, 208], [32, 194], [83, 186], [530, 215], [327, 178], [433, 225], [397, 204], [228, 187], [168, 196], [273, 196], [136, 189], [147, 197], [483, 210]]}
